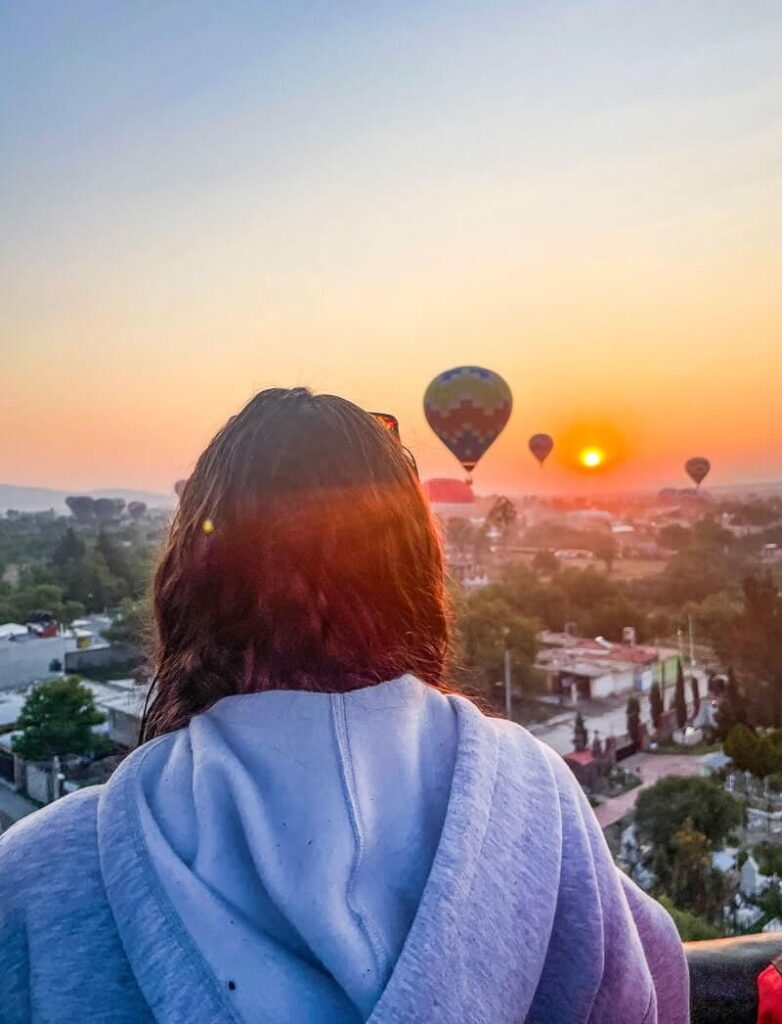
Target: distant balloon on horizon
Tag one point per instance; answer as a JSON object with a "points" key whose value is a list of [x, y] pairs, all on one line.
{"points": [[468, 407], [179, 486], [541, 446], [697, 469]]}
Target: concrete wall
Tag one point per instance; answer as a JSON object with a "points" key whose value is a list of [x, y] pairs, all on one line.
{"points": [[25, 662], [111, 656], [38, 783], [123, 727]]}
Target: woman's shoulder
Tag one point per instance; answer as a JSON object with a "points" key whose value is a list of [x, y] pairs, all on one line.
{"points": [[51, 846]]}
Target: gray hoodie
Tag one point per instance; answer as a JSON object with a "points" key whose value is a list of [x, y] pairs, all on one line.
{"points": [[388, 855]]}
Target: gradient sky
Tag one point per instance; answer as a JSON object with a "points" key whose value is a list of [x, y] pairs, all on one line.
{"points": [[201, 199]]}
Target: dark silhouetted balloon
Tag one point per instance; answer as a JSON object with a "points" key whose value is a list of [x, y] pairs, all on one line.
{"points": [[541, 445], [467, 408], [137, 509], [82, 508], [697, 469], [106, 509], [179, 486]]}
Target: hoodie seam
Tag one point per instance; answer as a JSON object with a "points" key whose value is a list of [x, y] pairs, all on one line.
{"points": [[348, 781]]}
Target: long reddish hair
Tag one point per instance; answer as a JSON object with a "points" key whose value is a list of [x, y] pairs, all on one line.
{"points": [[302, 556]]}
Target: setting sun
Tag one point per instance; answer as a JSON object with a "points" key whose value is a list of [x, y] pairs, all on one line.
{"points": [[591, 458]]}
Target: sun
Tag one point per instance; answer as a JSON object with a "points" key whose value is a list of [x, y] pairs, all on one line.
{"points": [[591, 457]]}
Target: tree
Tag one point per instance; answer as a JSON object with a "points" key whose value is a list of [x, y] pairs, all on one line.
{"points": [[70, 548], [674, 537], [685, 872], [753, 643], [545, 562], [634, 719], [580, 736], [57, 719], [732, 708], [690, 927], [662, 810], [696, 695], [502, 515], [131, 624], [137, 509], [679, 699], [460, 534], [488, 625], [656, 705], [756, 752], [604, 547]]}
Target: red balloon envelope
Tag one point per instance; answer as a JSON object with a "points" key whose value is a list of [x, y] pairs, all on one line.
{"points": [[443, 490], [467, 408]]}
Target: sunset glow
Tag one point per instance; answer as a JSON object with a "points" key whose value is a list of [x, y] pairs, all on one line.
{"points": [[591, 458], [358, 204]]}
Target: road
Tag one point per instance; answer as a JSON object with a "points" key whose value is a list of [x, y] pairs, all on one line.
{"points": [[608, 717], [651, 768], [13, 806]]}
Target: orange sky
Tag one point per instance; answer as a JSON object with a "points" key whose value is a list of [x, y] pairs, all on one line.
{"points": [[586, 201]]}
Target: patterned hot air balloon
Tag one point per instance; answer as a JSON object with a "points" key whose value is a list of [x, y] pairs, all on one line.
{"points": [[697, 469], [468, 408], [540, 445]]}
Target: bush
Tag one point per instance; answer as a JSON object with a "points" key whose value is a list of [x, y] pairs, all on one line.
{"points": [[690, 927]]}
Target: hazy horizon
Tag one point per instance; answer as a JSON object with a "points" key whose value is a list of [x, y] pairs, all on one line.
{"points": [[200, 201]]}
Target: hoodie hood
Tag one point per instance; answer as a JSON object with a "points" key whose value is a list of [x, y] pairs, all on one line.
{"points": [[385, 855]]}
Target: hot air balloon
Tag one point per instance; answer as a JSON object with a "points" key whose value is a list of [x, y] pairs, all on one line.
{"points": [[467, 408], [697, 469], [540, 445], [179, 487]]}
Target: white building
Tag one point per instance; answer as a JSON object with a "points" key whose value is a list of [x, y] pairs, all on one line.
{"points": [[752, 881]]}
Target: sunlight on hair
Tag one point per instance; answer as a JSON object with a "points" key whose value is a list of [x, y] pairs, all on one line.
{"points": [[208, 526]]}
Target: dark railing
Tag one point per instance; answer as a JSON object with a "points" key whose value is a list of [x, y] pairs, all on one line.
{"points": [[723, 977]]}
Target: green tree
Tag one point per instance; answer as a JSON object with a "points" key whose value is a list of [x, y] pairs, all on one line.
{"points": [[603, 546], [487, 624], [634, 719], [502, 515], [545, 562], [131, 624], [753, 643], [460, 534], [732, 708], [675, 537], [57, 719], [656, 705], [679, 698], [690, 927], [662, 810], [756, 752], [685, 872], [70, 548]]}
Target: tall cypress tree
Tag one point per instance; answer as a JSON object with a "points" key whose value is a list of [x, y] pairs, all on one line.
{"points": [[656, 705], [580, 736]]}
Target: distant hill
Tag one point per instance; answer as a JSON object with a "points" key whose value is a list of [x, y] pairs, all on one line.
{"points": [[40, 499]]}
